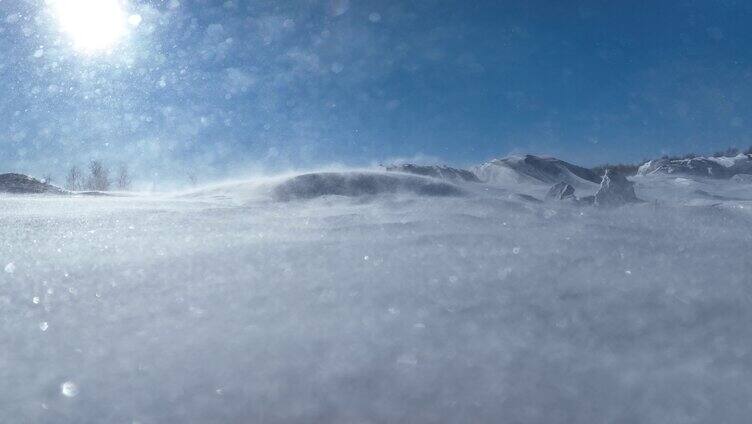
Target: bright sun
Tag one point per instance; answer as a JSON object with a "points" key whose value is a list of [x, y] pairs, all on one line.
{"points": [[93, 25]]}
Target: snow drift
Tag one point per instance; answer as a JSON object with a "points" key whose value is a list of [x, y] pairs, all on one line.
{"points": [[431, 302], [401, 309]]}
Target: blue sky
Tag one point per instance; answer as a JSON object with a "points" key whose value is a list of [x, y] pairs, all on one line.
{"points": [[265, 85]]}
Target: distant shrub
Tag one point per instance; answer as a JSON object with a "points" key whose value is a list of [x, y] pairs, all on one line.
{"points": [[192, 178], [730, 152], [123, 178], [99, 176], [74, 180]]}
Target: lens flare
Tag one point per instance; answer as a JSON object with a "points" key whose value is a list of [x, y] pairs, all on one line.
{"points": [[93, 25]]}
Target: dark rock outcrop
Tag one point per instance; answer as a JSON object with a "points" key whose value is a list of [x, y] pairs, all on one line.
{"points": [[615, 190], [560, 191]]}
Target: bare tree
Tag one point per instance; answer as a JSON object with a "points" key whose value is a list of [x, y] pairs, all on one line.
{"points": [[99, 176], [192, 178], [123, 178], [74, 180]]}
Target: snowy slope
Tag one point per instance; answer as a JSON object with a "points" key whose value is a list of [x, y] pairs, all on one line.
{"points": [[226, 305], [536, 170]]}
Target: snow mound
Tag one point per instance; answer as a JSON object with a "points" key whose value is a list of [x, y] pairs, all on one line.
{"points": [[535, 169], [356, 184], [23, 184], [710, 167], [436, 171]]}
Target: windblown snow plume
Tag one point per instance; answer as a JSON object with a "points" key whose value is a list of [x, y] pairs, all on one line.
{"points": [[355, 184], [441, 172]]}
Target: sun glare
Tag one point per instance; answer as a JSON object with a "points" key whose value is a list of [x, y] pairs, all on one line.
{"points": [[92, 25]]}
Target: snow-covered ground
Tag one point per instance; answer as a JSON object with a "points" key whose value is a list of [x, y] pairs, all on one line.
{"points": [[232, 304]]}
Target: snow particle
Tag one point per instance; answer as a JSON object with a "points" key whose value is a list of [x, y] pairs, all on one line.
{"points": [[374, 17], [35, 300], [39, 53], [10, 268], [516, 250], [340, 7], [337, 67], [407, 359], [44, 326], [392, 104], [69, 389]]}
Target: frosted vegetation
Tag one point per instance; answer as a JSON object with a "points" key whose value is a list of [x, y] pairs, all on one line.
{"points": [[367, 296]]}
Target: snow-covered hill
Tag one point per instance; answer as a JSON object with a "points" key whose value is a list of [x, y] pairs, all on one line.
{"points": [[711, 167], [23, 184], [537, 170]]}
